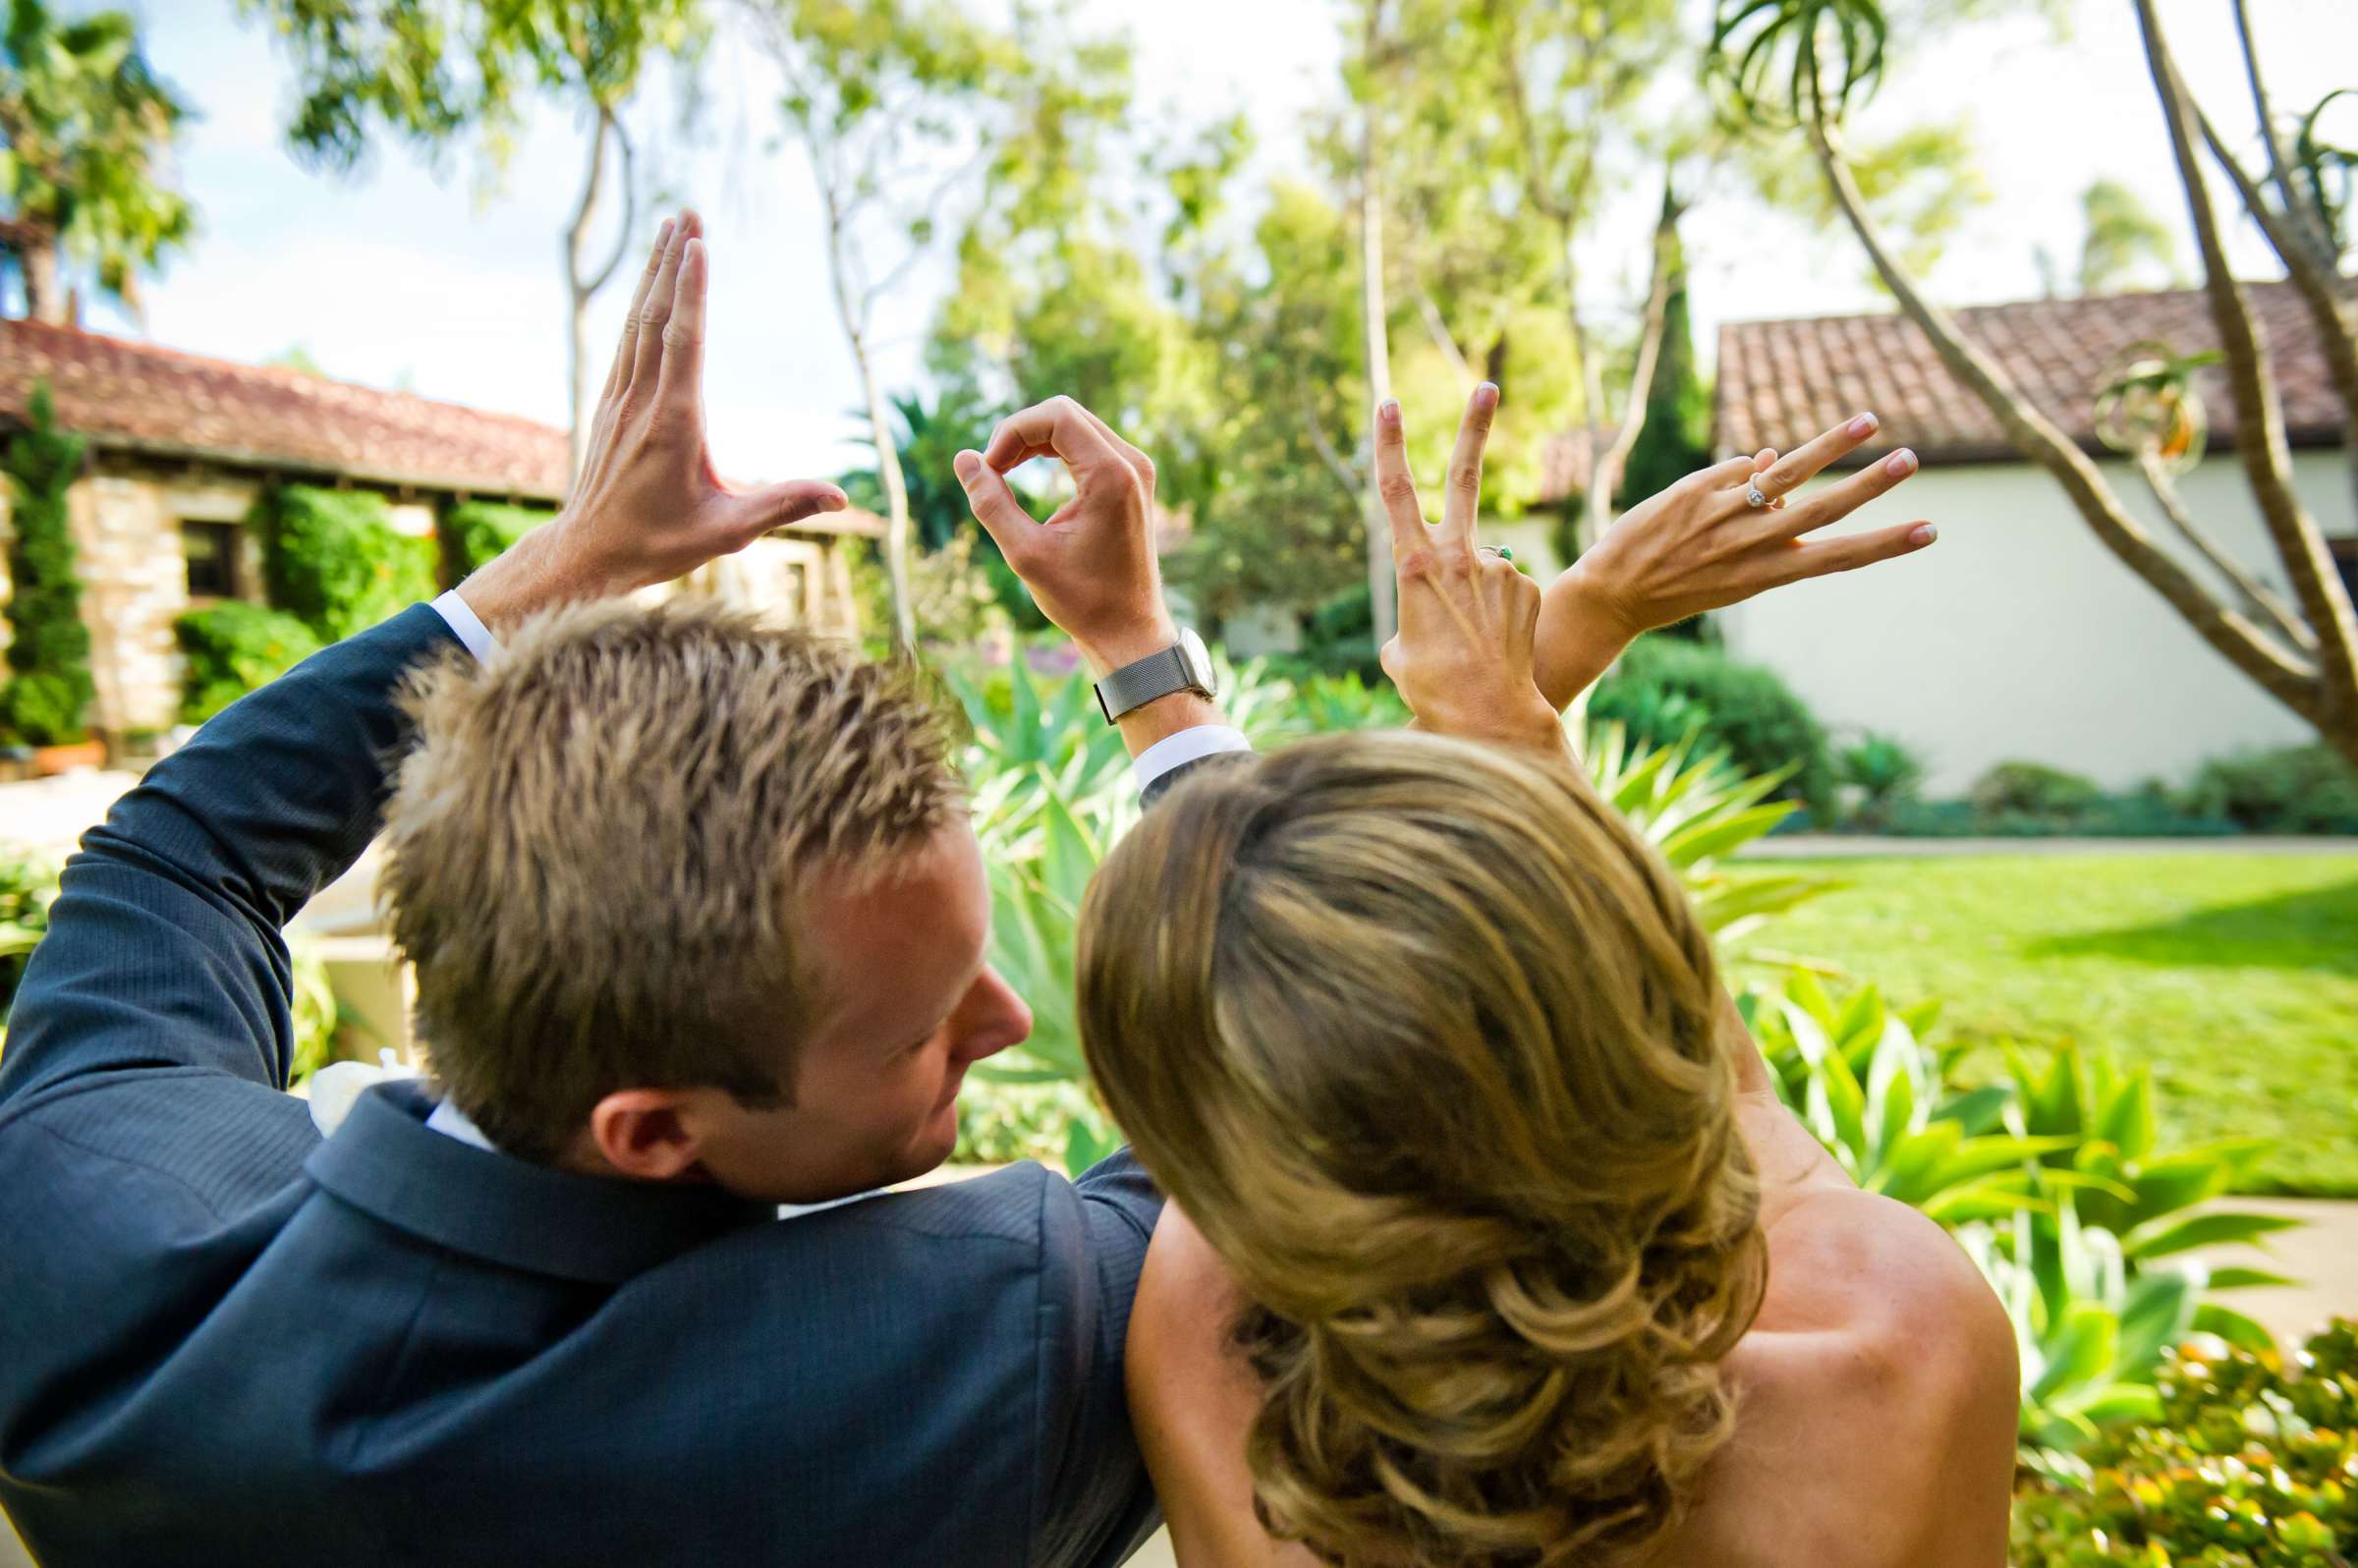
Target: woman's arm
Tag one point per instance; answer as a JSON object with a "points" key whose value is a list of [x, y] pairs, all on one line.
{"points": [[1702, 545]]}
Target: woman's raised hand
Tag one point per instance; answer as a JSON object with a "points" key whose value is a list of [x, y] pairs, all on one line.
{"points": [[1704, 544], [1463, 658]]}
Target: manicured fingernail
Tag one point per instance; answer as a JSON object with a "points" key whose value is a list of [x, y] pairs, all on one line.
{"points": [[1486, 394], [833, 501], [1924, 533], [1900, 464], [1388, 411], [1864, 425], [967, 465], [664, 233], [691, 252]]}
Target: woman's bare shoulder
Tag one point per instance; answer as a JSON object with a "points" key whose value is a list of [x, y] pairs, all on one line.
{"points": [[1877, 1398]]}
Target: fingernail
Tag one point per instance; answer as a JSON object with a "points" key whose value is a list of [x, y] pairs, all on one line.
{"points": [[834, 501], [1865, 424], [1388, 411], [1487, 394], [1900, 464], [693, 250], [664, 233], [1925, 534], [967, 465]]}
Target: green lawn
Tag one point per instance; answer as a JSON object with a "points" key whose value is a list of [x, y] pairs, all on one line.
{"points": [[2235, 975]]}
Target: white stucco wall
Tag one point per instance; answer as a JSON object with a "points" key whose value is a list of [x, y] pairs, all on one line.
{"points": [[2019, 636]]}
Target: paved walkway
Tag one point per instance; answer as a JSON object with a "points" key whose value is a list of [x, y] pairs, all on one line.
{"points": [[1863, 846]]}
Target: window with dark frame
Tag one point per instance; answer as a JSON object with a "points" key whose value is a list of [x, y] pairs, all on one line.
{"points": [[212, 551]]}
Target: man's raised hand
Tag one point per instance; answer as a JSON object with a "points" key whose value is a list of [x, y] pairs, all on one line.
{"points": [[1091, 565], [648, 506]]}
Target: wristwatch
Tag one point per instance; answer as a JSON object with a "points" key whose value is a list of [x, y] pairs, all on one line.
{"points": [[1185, 666]]}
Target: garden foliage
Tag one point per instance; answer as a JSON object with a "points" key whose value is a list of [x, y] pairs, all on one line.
{"points": [[1664, 687], [2243, 1461], [2297, 789], [230, 649], [476, 531], [48, 689], [334, 561]]}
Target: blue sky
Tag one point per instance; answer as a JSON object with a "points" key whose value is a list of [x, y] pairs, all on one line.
{"points": [[433, 279]]}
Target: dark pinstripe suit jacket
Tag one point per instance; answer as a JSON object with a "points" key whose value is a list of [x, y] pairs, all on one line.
{"points": [[225, 1341]]}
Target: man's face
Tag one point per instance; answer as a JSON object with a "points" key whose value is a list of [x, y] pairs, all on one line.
{"points": [[910, 1005]]}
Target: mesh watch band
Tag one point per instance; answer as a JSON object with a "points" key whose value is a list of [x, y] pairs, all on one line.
{"points": [[1136, 684]]}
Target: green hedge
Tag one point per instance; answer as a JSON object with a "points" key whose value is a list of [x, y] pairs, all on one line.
{"points": [[474, 532], [2297, 789], [1665, 687], [230, 649], [49, 689], [333, 560]]}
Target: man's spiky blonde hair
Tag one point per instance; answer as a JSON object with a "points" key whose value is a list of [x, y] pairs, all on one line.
{"points": [[598, 851]]}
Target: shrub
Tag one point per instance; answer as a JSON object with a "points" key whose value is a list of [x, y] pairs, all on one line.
{"points": [[1885, 772], [1663, 687], [2297, 789], [49, 690], [2245, 1466], [230, 649], [474, 533], [333, 560], [2033, 789], [27, 887]]}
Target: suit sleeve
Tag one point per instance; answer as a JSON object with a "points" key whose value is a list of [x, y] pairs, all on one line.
{"points": [[164, 947]]}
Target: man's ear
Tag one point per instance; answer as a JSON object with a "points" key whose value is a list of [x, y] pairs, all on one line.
{"points": [[641, 1133]]}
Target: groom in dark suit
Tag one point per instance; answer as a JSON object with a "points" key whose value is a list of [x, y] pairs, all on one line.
{"points": [[699, 928]]}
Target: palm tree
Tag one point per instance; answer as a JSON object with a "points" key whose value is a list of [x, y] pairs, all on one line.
{"points": [[89, 129], [1801, 64]]}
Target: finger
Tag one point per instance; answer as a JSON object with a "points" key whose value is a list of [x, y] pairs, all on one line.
{"points": [[1825, 557], [1785, 475], [1728, 474], [1129, 454], [647, 369], [1396, 486], [775, 506], [1837, 501], [626, 352], [994, 505], [1056, 427], [1462, 499], [683, 372]]}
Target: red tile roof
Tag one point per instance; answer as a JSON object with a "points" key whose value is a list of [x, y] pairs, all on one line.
{"points": [[134, 396], [1782, 381]]}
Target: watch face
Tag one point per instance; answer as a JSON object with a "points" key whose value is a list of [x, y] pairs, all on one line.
{"points": [[1199, 661]]}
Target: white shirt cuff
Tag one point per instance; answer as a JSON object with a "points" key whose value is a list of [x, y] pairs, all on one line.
{"points": [[1187, 746], [467, 626]]}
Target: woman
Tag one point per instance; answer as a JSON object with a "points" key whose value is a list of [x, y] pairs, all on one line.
{"points": [[1489, 1241]]}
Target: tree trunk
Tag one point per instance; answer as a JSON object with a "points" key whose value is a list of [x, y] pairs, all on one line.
{"points": [[896, 501], [1604, 470], [44, 287], [583, 280], [2293, 682], [1381, 587], [2259, 415]]}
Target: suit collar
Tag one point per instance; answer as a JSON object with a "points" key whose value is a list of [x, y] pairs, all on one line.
{"points": [[385, 1161]]}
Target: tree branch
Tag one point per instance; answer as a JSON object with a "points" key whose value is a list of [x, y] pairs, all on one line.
{"points": [[606, 121], [2257, 596], [2267, 114], [2259, 416], [2230, 633], [1438, 331], [1605, 473]]}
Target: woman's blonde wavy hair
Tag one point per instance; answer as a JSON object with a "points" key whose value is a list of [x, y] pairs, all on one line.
{"points": [[1424, 1040]]}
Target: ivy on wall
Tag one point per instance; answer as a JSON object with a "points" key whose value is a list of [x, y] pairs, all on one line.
{"points": [[474, 532], [48, 690], [334, 561]]}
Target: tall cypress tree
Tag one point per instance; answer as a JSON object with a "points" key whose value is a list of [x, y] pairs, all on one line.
{"points": [[1675, 439], [49, 690]]}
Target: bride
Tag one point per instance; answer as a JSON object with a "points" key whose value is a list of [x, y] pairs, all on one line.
{"points": [[1489, 1241]]}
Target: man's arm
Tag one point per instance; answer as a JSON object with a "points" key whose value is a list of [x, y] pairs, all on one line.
{"points": [[1092, 568], [163, 948]]}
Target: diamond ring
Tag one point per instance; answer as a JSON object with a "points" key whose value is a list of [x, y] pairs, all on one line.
{"points": [[1753, 495]]}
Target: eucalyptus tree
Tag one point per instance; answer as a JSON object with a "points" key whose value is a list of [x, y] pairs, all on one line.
{"points": [[434, 73], [1799, 67], [86, 132], [914, 117]]}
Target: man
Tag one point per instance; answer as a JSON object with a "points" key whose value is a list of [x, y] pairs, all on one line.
{"points": [[698, 930]]}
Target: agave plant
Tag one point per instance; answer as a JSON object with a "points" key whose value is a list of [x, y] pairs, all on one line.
{"points": [[1861, 1079], [1697, 810]]}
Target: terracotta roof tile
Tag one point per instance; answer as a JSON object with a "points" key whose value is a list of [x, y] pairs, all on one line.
{"points": [[1781, 381], [134, 395]]}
